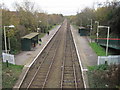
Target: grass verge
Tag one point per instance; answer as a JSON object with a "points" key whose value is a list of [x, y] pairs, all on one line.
{"points": [[10, 74], [98, 49]]}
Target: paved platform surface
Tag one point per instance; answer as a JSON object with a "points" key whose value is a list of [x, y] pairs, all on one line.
{"points": [[26, 57], [87, 55]]}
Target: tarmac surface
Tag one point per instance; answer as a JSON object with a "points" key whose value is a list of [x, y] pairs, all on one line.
{"points": [[87, 55]]}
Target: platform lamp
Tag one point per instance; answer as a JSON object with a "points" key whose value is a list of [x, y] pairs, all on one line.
{"points": [[97, 29], [108, 30], [90, 26], [37, 25], [11, 26]]}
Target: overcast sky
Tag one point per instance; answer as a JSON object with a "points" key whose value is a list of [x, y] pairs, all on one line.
{"points": [[65, 7]]}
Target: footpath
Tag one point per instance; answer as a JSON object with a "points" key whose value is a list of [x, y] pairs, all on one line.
{"points": [[87, 56], [26, 57]]}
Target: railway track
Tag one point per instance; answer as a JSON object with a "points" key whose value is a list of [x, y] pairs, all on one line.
{"points": [[39, 73], [69, 69]]}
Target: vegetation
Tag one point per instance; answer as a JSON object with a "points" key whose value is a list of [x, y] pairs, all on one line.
{"points": [[104, 76], [98, 49], [10, 74], [107, 13], [26, 19]]}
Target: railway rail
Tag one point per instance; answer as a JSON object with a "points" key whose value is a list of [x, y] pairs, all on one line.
{"points": [[68, 71], [39, 73]]}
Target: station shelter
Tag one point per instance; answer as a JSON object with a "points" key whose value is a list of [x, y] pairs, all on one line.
{"points": [[28, 42], [83, 31]]}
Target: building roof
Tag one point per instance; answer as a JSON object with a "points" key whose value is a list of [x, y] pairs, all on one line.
{"points": [[30, 36], [81, 27]]}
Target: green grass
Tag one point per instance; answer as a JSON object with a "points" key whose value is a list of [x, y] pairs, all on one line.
{"points": [[98, 67], [98, 49], [10, 74]]}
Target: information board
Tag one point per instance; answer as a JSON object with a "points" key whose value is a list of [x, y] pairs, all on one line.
{"points": [[8, 57]]}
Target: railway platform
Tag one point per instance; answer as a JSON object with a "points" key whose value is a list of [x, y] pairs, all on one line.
{"points": [[26, 57], [54, 53], [87, 56]]}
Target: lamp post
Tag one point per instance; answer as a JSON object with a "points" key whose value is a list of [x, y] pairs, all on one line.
{"points": [[97, 29], [11, 26], [90, 27], [107, 37], [37, 26]]}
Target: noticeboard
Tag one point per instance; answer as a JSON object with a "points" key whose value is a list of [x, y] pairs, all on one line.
{"points": [[8, 57]]}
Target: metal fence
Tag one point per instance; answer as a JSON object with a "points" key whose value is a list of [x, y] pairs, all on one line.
{"points": [[114, 59]]}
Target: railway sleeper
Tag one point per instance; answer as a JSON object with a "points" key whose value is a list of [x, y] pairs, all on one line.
{"points": [[47, 63], [68, 78], [36, 86], [68, 86], [38, 82], [44, 68], [41, 77], [68, 72], [68, 82], [67, 67], [42, 72], [69, 75]]}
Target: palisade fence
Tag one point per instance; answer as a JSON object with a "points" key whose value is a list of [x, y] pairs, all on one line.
{"points": [[112, 59]]}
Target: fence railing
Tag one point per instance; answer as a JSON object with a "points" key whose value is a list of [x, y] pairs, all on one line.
{"points": [[114, 59]]}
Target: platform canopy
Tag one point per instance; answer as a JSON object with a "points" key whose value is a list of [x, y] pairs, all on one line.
{"points": [[29, 41], [81, 27], [30, 36]]}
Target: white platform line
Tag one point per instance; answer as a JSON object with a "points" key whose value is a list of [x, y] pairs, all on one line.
{"points": [[85, 86]]}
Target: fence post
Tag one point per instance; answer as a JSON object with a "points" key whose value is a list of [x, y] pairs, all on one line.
{"points": [[98, 59]]}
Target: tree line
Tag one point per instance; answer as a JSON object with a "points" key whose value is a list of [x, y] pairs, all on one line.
{"points": [[108, 14], [26, 18]]}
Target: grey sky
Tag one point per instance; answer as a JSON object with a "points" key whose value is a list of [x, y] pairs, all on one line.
{"points": [[65, 7]]}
